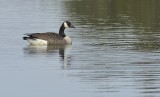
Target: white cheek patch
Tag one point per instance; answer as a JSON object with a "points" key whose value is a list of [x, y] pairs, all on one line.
{"points": [[65, 25]]}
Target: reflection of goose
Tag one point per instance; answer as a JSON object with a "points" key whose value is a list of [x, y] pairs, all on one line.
{"points": [[50, 37], [62, 50]]}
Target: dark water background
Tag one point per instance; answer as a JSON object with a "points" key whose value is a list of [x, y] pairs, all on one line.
{"points": [[115, 50]]}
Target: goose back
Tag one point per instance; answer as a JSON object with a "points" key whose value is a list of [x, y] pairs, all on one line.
{"points": [[50, 37]]}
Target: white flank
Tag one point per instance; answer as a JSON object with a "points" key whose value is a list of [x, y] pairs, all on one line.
{"points": [[65, 25], [68, 40], [37, 42]]}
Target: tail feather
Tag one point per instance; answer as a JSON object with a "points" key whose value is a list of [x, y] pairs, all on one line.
{"points": [[25, 38]]}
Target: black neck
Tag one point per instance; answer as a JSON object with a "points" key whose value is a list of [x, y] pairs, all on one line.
{"points": [[61, 31]]}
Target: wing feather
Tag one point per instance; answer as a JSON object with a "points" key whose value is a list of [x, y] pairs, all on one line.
{"points": [[50, 37]]}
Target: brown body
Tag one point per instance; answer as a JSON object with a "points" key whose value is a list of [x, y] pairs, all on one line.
{"points": [[50, 38]]}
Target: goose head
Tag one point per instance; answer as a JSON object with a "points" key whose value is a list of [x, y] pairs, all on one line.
{"points": [[64, 25], [68, 24]]}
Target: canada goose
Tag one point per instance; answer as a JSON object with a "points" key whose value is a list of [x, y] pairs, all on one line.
{"points": [[50, 38]]}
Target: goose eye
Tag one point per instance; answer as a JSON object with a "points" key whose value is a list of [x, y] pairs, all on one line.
{"points": [[69, 24]]}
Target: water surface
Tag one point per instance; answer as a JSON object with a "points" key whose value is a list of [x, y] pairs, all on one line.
{"points": [[115, 50]]}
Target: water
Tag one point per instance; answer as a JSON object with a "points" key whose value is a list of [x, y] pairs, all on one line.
{"points": [[115, 50]]}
